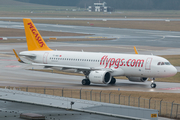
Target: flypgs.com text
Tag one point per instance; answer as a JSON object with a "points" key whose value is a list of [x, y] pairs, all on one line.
{"points": [[109, 62]]}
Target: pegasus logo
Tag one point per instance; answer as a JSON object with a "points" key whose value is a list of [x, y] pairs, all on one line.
{"points": [[37, 36]]}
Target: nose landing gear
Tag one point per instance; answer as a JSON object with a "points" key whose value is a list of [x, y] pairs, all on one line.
{"points": [[153, 84]]}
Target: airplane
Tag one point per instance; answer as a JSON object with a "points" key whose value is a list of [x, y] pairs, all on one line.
{"points": [[99, 68]]}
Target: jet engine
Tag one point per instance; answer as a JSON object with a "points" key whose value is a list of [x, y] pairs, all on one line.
{"points": [[100, 77], [137, 79]]}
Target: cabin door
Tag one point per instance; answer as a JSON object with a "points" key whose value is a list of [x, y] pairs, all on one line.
{"points": [[45, 57], [148, 64]]}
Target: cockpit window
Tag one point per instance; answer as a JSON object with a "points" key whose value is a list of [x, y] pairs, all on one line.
{"points": [[167, 63], [163, 63], [159, 63]]}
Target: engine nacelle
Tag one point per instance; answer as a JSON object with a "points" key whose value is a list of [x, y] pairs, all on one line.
{"points": [[102, 77], [137, 79]]}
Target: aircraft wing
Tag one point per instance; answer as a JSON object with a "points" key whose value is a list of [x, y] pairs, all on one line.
{"points": [[72, 67]]}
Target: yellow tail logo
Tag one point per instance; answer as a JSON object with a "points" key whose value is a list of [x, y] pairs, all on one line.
{"points": [[34, 40]]}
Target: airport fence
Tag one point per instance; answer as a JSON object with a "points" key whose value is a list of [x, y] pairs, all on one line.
{"points": [[166, 109]]}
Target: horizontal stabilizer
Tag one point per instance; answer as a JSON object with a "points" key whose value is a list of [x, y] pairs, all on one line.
{"points": [[27, 54]]}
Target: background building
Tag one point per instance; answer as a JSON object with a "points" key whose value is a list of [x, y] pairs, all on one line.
{"points": [[100, 7]]}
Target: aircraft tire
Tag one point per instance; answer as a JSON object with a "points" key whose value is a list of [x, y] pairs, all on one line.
{"points": [[86, 82], [153, 85], [113, 81]]}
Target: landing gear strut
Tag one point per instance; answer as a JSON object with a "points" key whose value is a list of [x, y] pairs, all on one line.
{"points": [[86, 82], [153, 84], [113, 81]]}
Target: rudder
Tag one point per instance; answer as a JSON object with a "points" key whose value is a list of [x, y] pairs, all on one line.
{"points": [[34, 40]]}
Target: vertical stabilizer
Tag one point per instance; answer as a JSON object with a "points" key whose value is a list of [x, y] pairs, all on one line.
{"points": [[34, 40]]}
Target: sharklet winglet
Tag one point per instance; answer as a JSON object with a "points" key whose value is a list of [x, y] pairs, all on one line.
{"points": [[136, 52], [18, 58]]}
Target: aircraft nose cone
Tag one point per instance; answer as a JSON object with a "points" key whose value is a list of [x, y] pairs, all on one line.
{"points": [[173, 71]]}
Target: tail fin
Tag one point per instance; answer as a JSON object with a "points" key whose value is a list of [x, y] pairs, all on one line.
{"points": [[34, 40]]}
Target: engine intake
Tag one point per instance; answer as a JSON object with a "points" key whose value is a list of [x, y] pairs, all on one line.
{"points": [[137, 79], [102, 77]]}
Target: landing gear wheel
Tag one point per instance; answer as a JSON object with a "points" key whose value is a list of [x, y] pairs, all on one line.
{"points": [[86, 82], [113, 81], [153, 85]]}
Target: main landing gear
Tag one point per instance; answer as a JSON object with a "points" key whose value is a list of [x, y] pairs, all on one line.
{"points": [[153, 84], [113, 81], [86, 82]]}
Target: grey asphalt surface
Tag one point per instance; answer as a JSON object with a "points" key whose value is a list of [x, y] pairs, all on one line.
{"points": [[123, 36], [147, 41]]}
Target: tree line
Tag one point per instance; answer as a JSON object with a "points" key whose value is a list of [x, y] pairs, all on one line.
{"points": [[116, 4]]}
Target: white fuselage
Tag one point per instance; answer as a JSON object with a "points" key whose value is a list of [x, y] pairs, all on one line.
{"points": [[134, 65]]}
